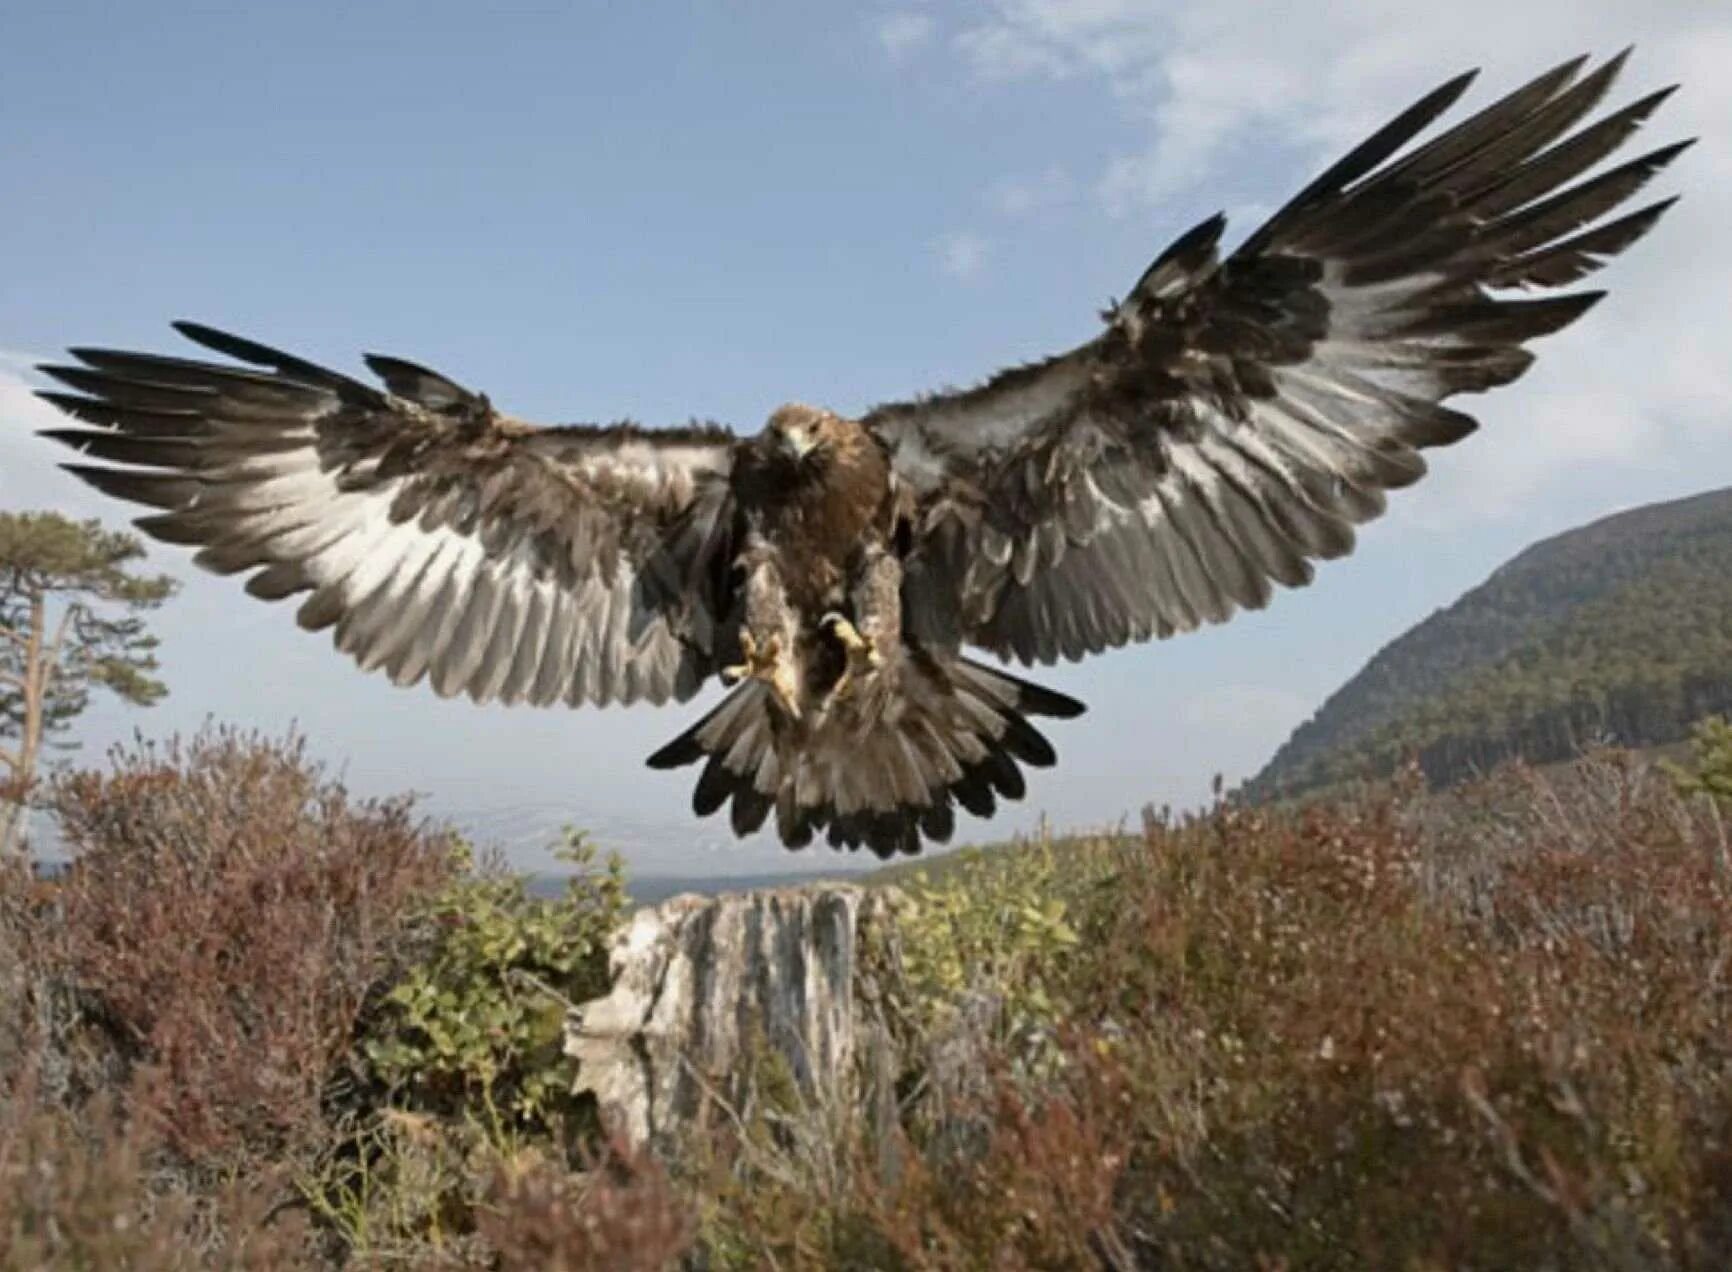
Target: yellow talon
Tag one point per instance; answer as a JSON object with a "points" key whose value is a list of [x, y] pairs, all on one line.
{"points": [[749, 650], [766, 663], [786, 688], [863, 654]]}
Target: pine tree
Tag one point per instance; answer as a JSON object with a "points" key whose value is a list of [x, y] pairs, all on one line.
{"points": [[71, 606]]}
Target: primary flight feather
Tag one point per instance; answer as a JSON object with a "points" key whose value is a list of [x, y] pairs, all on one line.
{"points": [[1232, 423]]}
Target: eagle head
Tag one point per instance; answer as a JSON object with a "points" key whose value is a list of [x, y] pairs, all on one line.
{"points": [[797, 430]]}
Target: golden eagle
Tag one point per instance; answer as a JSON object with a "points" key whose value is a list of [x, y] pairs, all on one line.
{"points": [[1233, 422]]}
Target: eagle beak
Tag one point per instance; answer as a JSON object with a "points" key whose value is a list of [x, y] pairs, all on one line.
{"points": [[798, 441]]}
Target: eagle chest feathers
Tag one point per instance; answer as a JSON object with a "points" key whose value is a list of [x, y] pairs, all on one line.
{"points": [[814, 489]]}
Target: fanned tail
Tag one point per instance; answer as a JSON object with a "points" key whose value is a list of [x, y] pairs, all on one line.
{"points": [[957, 734]]}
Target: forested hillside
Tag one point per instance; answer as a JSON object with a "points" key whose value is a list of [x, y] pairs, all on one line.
{"points": [[1619, 630]]}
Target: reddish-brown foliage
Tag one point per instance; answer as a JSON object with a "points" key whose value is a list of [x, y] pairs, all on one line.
{"points": [[620, 1213], [228, 912], [78, 1190], [1395, 1032], [1040, 1190], [1491, 1029]]}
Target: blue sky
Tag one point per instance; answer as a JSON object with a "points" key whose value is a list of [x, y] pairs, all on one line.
{"points": [[677, 210]]}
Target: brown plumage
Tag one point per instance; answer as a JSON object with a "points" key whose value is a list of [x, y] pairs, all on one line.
{"points": [[1233, 423]]}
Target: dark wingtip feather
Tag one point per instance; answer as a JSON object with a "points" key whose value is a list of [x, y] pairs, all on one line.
{"points": [[1200, 237], [750, 809], [1039, 700], [1183, 258], [1563, 311], [1363, 157], [286, 364], [714, 787], [227, 342], [974, 792], [938, 821], [77, 377], [1026, 743], [124, 449], [66, 403], [154, 490], [417, 383], [1576, 257], [682, 751]]}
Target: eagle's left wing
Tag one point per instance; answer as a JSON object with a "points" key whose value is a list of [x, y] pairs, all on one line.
{"points": [[1236, 419], [435, 536]]}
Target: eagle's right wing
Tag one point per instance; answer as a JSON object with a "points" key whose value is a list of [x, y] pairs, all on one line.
{"points": [[1239, 417], [439, 537]]}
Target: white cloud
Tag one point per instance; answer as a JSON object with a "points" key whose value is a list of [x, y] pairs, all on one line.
{"points": [[903, 33], [1022, 196], [1238, 101], [1062, 38], [24, 457], [963, 254]]}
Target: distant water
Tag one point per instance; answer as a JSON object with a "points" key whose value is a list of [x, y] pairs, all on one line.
{"points": [[646, 891], [661, 858], [653, 889]]}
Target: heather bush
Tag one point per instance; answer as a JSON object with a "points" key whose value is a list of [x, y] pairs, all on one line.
{"points": [[788, 1181], [620, 1213], [1336, 1061], [228, 910], [83, 1189]]}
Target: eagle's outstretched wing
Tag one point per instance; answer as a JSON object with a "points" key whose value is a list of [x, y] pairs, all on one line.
{"points": [[1236, 419], [439, 537]]}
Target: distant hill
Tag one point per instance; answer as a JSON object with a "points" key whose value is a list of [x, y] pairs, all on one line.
{"points": [[1620, 630]]}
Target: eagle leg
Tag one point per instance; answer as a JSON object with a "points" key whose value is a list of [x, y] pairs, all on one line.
{"points": [[864, 657], [765, 662]]}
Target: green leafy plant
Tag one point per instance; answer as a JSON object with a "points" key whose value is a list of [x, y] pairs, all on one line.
{"points": [[476, 1027], [1711, 769], [992, 925]]}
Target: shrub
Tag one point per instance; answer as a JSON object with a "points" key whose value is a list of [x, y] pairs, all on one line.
{"points": [[476, 1026], [1033, 1183], [1345, 1053], [1711, 769], [619, 1213], [460, 1065], [988, 935], [78, 1190], [1490, 1028], [228, 911]]}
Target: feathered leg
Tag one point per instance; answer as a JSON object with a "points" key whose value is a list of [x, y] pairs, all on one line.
{"points": [[769, 642], [876, 598]]}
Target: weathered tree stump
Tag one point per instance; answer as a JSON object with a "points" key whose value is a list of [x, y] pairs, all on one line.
{"points": [[707, 989]]}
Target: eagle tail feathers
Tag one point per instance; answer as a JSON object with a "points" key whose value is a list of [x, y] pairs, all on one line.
{"points": [[959, 735]]}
